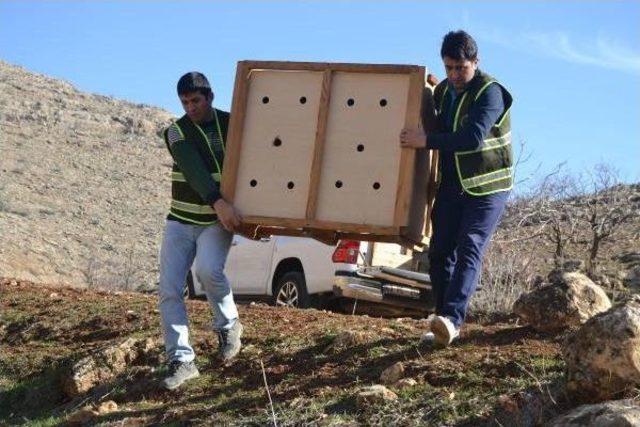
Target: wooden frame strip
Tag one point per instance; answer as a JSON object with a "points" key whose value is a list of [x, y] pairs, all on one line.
{"points": [[407, 155], [432, 188], [234, 135], [327, 225], [324, 66], [401, 280], [318, 150], [253, 231]]}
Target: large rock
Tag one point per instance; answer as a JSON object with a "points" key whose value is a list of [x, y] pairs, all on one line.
{"points": [[392, 374], [603, 357], [103, 366], [619, 413], [567, 303]]}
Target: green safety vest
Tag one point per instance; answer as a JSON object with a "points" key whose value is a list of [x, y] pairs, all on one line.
{"points": [[489, 169], [186, 203]]}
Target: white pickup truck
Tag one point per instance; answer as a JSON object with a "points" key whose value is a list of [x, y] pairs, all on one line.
{"points": [[290, 271]]}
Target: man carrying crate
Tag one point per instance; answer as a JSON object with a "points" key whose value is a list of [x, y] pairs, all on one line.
{"points": [[473, 137], [198, 229]]}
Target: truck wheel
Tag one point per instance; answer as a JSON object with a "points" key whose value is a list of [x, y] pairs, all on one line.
{"points": [[291, 291], [190, 288]]}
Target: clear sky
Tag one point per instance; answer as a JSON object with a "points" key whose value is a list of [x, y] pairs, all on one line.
{"points": [[573, 67]]}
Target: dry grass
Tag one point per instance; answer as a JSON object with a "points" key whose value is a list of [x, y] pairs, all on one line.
{"points": [[507, 272]]}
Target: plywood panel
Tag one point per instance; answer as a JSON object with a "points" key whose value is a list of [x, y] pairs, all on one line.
{"points": [[278, 143], [290, 186], [361, 158], [390, 255]]}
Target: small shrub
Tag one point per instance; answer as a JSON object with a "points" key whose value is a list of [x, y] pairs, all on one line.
{"points": [[507, 272]]}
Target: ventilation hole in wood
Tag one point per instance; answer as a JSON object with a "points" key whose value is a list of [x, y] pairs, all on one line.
{"points": [[265, 100], [376, 185], [350, 102], [360, 147], [253, 183], [383, 102], [303, 100], [338, 184], [290, 185], [277, 142]]}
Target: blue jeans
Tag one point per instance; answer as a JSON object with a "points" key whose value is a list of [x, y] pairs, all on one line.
{"points": [[209, 247], [462, 228]]}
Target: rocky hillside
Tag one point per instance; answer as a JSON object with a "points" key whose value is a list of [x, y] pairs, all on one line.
{"points": [[83, 184]]}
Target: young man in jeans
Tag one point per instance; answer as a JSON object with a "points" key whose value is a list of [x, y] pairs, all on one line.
{"points": [[198, 230], [474, 142]]}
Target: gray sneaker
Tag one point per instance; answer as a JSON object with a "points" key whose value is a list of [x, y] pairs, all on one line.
{"points": [[428, 339], [179, 372], [229, 341]]}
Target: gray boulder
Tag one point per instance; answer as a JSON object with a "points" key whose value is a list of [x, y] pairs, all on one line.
{"points": [[567, 303], [619, 413], [603, 357], [392, 374]]}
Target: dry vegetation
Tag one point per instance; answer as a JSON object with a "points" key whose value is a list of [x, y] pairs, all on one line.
{"points": [[589, 223]]}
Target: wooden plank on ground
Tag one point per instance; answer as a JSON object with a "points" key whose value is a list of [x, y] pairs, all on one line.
{"points": [[400, 280]]}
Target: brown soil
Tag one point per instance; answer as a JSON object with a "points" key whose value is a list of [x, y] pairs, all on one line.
{"points": [[44, 328]]}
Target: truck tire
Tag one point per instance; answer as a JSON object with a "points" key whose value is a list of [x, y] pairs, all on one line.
{"points": [[291, 291], [190, 288]]}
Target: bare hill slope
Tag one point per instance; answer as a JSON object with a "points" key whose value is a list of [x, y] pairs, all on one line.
{"points": [[83, 183]]}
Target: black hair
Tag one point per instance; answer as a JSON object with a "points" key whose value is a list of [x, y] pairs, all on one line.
{"points": [[459, 45], [194, 82]]}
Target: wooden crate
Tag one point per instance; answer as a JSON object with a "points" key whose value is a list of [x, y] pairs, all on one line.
{"points": [[313, 150]]}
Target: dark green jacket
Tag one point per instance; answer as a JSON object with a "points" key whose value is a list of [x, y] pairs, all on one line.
{"points": [[198, 155]]}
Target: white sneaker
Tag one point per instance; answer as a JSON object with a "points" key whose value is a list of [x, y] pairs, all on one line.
{"points": [[443, 330]]}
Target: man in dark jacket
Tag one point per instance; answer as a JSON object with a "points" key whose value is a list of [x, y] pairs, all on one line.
{"points": [[476, 176]]}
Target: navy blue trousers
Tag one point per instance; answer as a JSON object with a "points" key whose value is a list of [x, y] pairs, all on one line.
{"points": [[462, 228]]}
